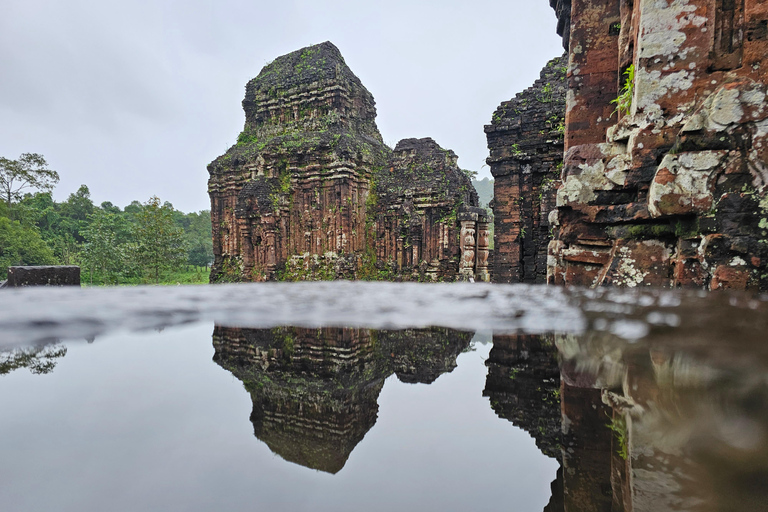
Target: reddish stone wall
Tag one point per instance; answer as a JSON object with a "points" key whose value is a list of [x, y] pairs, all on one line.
{"points": [[673, 191], [525, 139]]}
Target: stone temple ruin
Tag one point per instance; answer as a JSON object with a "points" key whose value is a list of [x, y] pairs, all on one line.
{"points": [[310, 191], [663, 127], [671, 189], [525, 139], [639, 159], [315, 391]]}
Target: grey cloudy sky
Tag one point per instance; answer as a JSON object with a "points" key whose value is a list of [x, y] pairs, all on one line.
{"points": [[135, 98]]}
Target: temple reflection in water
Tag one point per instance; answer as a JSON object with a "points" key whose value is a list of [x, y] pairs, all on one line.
{"points": [[315, 391], [634, 426]]}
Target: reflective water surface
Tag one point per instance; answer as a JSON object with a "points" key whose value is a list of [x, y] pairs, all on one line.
{"points": [[580, 400]]}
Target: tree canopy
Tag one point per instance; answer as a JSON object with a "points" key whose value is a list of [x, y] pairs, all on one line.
{"points": [[159, 243], [144, 242], [29, 171]]}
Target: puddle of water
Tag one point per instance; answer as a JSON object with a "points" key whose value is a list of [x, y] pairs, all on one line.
{"points": [[149, 422], [585, 400]]}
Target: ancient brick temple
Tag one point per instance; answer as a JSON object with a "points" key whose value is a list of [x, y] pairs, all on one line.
{"points": [[525, 139], [423, 205], [666, 144], [295, 198]]}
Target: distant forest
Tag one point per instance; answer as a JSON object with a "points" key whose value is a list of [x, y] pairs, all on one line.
{"points": [[148, 242], [484, 189]]}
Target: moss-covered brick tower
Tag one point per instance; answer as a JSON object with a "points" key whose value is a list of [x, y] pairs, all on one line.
{"points": [[425, 215], [297, 180], [310, 191]]}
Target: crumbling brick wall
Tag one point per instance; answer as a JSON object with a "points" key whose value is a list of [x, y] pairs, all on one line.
{"points": [[525, 139], [424, 217]]}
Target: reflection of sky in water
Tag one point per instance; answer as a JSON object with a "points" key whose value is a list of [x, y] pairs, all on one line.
{"points": [[149, 422]]}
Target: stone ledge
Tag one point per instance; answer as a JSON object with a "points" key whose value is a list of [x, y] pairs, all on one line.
{"points": [[50, 275]]}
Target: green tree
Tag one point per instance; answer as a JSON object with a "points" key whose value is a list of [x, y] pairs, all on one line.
{"points": [[159, 243], [134, 208], [40, 210], [75, 211], [21, 245], [104, 248], [197, 234], [30, 171], [107, 206]]}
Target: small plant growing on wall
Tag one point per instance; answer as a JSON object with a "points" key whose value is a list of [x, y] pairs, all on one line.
{"points": [[624, 101]]}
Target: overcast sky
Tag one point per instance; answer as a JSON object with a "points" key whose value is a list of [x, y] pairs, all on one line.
{"points": [[134, 98]]}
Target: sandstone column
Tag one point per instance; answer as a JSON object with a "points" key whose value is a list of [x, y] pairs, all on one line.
{"points": [[467, 245], [483, 250]]}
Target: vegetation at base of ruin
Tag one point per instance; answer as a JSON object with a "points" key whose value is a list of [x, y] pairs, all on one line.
{"points": [[369, 268], [231, 271], [624, 100], [308, 268], [111, 245], [618, 426]]}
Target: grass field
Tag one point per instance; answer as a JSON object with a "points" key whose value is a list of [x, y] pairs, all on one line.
{"points": [[186, 275]]}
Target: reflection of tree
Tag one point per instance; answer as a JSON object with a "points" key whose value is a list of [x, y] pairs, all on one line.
{"points": [[39, 360], [315, 391]]}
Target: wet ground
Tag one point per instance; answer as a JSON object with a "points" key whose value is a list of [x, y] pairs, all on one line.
{"points": [[200, 398]]}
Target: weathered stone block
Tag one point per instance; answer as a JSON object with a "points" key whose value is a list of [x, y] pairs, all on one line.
{"points": [[52, 275], [683, 184]]}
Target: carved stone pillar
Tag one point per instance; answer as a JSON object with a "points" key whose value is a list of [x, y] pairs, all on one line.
{"points": [[399, 252], [271, 253], [468, 248], [483, 250], [416, 252]]}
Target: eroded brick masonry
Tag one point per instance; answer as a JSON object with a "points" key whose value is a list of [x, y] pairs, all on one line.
{"points": [[671, 189], [525, 139]]}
